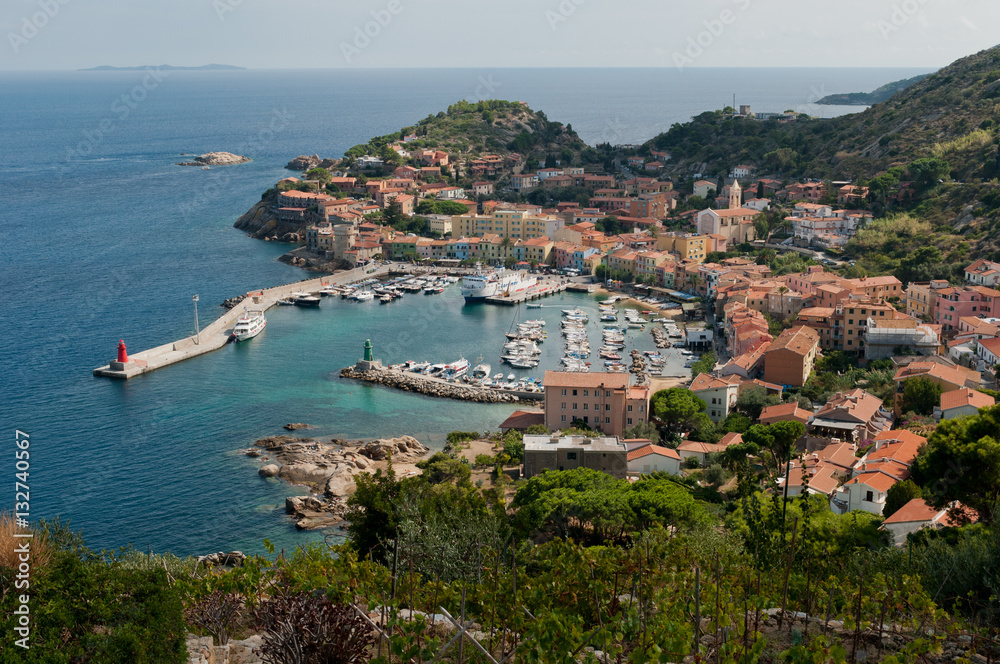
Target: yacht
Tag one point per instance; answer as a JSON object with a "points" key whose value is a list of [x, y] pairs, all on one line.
{"points": [[304, 300], [482, 284], [481, 371], [249, 325], [363, 296]]}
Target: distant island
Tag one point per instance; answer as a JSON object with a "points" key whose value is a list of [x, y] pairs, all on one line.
{"points": [[874, 97], [167, 68]]}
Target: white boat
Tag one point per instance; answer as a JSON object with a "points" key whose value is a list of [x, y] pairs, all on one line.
{"points": [[249, 325], [385, 299], [363, 296], [524, 363], [481, 371], [533, 305], [482, 284], [535, 323], [285, 302], [511, 377]]}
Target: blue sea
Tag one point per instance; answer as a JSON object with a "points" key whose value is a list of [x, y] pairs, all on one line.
{"points": [[104, 238]]}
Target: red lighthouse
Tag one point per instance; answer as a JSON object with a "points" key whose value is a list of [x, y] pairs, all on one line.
{"points": [[122, 353]]}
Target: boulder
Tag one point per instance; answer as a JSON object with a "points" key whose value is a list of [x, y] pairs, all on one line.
{"points": [[270, 470], [293, 504], [242, 652], [340, 485], [295, 426], [304, 472]]}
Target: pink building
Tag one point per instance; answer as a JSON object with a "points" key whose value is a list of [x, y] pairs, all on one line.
{"points": [[954, 303]]}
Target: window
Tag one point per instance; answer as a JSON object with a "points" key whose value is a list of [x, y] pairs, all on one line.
{"points": [[607, 406], [574, 406], [869, 496], [586, 393], [564, 392], [563, 418], [607, 394], [574, 393], [607, 420], [571, 456], [586, 406], [630, 420], [597, 406], [564, 405]]}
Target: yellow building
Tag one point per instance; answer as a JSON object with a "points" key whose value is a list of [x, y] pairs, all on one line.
{"points": [[515, 224], [690, 247]]}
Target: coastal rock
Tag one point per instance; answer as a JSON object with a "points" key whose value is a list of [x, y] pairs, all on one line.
{"points": [[401, 449], [340, 485], [231, 559], [304, 472], [216, 159], [295, 426], [270, 470], [303, 163], [231, 302]]}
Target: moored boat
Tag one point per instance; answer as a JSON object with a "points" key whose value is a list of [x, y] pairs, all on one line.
{"points": [[249, 325]]}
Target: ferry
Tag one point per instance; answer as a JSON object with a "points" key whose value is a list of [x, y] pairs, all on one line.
{"points": [[249, 325], [482, 284]]}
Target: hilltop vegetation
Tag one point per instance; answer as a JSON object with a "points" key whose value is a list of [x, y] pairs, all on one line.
{"points": [[469, 130], [877, 95]]}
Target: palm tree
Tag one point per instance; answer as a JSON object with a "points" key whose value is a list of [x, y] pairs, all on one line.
{"points": [[506, 244]]}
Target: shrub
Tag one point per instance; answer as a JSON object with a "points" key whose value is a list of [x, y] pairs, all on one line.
{"points": [[456, 437], [483, 461], [304, 628], [216, 613]]}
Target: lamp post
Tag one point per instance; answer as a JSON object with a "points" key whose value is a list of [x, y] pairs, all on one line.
{"points": [[197, 332]]}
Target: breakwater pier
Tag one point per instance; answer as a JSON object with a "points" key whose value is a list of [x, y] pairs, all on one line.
{"points": [[436, 387], [217, 334]]}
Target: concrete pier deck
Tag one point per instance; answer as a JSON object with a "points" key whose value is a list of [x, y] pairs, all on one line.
{"points": [[545, 287], [216, 335]]}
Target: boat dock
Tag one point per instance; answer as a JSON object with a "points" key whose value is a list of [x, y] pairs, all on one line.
{"points": [[217, 334], [437, 387], [544, 288]]}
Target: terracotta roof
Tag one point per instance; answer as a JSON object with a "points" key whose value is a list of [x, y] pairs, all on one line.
{"points": [[799, 340], [822, 477], [954, 375], [709, 382], [857, 403], [965, 397], [784, 411], [877, 480], [522, 419], [731, 438], [919, 510], [653, 449]]}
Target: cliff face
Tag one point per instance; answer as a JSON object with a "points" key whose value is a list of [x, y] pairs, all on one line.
{"points": [[261, 223]]}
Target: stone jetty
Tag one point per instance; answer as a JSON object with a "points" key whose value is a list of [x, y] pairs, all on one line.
{"points": [[434, 387]]}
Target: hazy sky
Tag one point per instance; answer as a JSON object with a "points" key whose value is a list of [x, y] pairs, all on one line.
{"points": [[71, 34]]}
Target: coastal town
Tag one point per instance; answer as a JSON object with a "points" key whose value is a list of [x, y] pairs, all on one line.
{"points": [[700, 249]]}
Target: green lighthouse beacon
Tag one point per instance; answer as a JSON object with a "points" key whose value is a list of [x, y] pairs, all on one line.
{"points": [[368, 350], [368, 363]]}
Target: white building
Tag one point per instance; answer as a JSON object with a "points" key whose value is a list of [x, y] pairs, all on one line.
{"points": [[719, 394], [653, 458], [917, 515]]}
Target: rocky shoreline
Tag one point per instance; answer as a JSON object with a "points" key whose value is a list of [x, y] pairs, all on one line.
{"points": [[431, 388], [328, 469]]}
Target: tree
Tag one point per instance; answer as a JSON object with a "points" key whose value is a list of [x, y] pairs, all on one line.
{"points": [[705, 364], [601, 272], [736, 422], [509, 262], [785, 434], [321, 175], [961, 461], [753, 400], [372, 512], [393, 214], [898, 495], [920, 395], [676, 408], [926, 172], [643, 430]]}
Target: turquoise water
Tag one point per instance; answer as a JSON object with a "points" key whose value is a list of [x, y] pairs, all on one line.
{"points": [[105, 238]]}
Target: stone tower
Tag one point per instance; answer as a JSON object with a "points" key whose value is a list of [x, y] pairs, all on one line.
{"points": [[735, 197]]}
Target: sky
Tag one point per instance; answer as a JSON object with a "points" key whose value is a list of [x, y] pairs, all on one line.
{"points": [[293, 34]]}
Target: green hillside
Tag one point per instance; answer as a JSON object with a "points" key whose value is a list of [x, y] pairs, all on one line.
{"points": [[953, 113], [879, 94], [471, 129]]}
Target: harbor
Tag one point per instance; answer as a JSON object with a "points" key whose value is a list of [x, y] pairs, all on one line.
{"points": [[220, 332]]}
